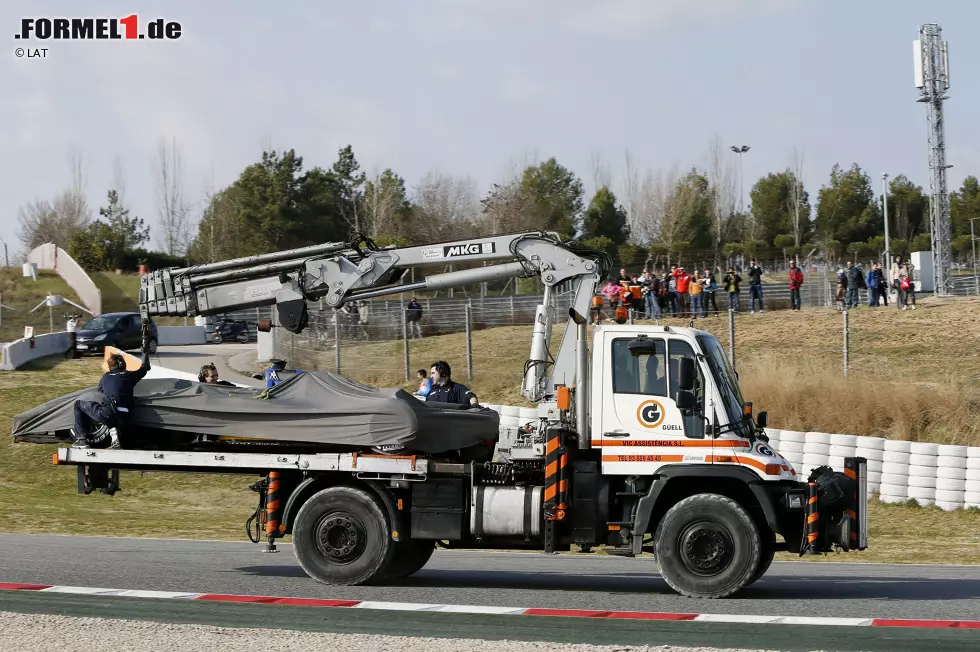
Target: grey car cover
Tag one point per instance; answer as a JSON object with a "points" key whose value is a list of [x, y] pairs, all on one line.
{"points": [[314, 407]]}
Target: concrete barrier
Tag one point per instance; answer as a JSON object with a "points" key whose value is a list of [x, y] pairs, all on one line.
{"points": [[19, 352], [181, 335], [51, 256]]}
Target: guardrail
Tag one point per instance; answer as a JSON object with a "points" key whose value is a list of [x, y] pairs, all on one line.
{"points": [[19, 352]]}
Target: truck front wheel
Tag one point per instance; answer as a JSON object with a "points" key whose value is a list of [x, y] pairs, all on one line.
{"points": [[409, 558], [341, 536], [707, 546]]}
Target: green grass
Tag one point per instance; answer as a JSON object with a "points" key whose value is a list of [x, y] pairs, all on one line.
{"points": [[120, 292], [23, 294]]}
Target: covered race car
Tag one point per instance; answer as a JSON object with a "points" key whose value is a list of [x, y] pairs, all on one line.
{"points": [[314, 411]]}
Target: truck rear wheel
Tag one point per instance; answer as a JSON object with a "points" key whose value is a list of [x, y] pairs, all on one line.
{"points": [[707, 546], [409, 558], [341, 536]]}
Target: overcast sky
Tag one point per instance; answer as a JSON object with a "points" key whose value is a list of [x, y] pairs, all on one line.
{"points": [[471, 87]]}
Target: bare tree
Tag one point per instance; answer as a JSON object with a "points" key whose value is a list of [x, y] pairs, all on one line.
{"points": [[631, 193], [667, 205], [58, 220], [723, 179], [172, 208], [796, 195], [119, 180], [448, 206], [600, 172], [384, 204]]}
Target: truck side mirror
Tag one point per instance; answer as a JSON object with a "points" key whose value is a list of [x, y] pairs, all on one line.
{"points": [[762, 420], [686, 374], [685, 400]]}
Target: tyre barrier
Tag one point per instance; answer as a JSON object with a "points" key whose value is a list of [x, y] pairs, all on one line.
{"points": [[946, 476]]}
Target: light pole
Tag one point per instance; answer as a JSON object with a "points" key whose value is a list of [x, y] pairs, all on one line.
{"points": [[884, 203], [973, 244], [6, 258], [740, 149]]}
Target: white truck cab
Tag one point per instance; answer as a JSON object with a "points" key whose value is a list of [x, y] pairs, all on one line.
{"points": [[636, 420]]}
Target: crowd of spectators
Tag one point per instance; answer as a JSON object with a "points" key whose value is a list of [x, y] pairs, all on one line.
{"points": [[683, 293]]}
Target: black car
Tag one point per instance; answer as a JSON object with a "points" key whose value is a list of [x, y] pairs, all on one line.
{"points": [[227, 329], [119, 329]]}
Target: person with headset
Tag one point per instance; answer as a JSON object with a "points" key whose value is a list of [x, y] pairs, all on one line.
{"points": [[114, 409], [209, 376], [445, 389]]}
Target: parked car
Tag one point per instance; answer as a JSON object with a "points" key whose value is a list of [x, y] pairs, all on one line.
{"points": [[122, 330], [228, 329]]}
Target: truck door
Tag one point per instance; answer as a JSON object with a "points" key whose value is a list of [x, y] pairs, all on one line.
{"points": [[641, 427]]}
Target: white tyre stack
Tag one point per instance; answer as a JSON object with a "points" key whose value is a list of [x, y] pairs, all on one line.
{"points": [[951, 477], [773, 435], [841, 446], [872, 449], [894, 486], [791, 444], [816, 451], [923, 466], [971, 498]]}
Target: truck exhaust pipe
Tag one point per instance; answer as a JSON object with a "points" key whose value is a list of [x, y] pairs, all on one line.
{"points": [[581, 379]]}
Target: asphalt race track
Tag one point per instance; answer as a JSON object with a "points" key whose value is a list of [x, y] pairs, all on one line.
{"points": [[496, 579], [190, 359]]}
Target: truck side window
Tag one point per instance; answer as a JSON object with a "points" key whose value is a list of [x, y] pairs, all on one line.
{"points": [[644, 374], [693, 424]]}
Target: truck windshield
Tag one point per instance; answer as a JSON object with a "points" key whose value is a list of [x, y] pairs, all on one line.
{"points": [[731, 396]]}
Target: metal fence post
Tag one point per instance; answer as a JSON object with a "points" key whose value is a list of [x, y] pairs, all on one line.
{"points": [[731, 336], [512, 316], [469, 345], [408, 358], [847, 334], [336, 340]]}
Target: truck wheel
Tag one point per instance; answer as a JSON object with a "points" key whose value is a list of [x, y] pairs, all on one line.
{"points": [[707, 546], [765, 558], [340, 536], [409, 558]]}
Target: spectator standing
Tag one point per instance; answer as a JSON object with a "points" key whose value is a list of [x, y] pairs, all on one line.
{"points": [[671, 281], [854, 282], [755, 286], [652, 297], [883, 286], [733, 282], [907, 286], [683, 291], [795, 282], [895, 276], [413, 315], [841, 289], [611, 291], [871, 281], [696, 290], [710, 289]]}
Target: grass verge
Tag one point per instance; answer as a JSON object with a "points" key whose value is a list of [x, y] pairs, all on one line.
{"points": [[41, 498]]}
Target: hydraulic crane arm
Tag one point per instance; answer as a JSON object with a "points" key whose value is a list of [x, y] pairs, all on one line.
{"points": [[340, 272]]}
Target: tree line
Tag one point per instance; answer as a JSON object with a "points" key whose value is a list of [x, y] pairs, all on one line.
{"points": [[664, 216]]}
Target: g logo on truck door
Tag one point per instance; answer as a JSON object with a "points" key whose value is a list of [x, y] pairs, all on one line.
{"points": [[650, 414]]}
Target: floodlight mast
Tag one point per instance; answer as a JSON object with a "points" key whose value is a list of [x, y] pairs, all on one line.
{"points": [[931, 72]]}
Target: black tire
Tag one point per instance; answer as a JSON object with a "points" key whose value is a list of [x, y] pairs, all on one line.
{"points": [[409, 558], [216, 338], [765, 558], [707, 546], [243, 337], [341, 536]]}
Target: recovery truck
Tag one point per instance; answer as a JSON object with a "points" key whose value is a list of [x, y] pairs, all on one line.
{"points": [[643, 441]]}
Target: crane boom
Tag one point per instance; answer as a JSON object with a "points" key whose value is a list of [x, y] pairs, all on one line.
{"points": [[343, 271]]}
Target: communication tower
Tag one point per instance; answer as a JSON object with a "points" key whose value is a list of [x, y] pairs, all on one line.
{"points": [[931, 60]]}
